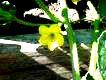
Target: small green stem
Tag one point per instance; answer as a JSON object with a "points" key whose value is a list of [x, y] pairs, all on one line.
{"points": [[27, 23], [73, 53]]}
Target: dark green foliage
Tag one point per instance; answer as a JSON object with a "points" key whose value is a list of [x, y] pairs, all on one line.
{"points": [[4, 15], [7, 13], [89, 77], [102, 7], [102, 56]]}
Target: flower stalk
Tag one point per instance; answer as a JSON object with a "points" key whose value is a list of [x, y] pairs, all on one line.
{"points": [[45, 8], [94, 54], [72, 45], [95, 35], [73, 53]]}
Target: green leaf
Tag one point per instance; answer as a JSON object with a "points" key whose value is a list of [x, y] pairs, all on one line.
{"points": [[102, 54]]}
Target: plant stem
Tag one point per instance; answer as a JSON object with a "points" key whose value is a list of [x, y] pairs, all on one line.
{"points": [[92, 67], [73, 53], [27, 23], [45, 8]]}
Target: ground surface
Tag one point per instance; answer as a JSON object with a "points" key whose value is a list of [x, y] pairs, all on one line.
{"points": [[39, 65]]}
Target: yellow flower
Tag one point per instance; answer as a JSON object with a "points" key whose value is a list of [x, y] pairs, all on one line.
{"points": [[51, 36], [75, 1]]}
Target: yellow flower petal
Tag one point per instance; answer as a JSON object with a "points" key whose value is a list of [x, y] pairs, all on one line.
{"points": [[75, 1], [44, 40], [60, 39], [43, 29], [55, 28], [52, 45]]}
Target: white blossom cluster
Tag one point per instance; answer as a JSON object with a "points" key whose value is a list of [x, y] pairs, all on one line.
{"points": [[56, 10], [91, 13]]}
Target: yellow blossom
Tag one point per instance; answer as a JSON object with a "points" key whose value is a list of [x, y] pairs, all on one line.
{"points": [[51, 36], [75, 1]]}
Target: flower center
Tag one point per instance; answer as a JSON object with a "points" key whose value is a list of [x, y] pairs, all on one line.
{"points": [[52, 35]]}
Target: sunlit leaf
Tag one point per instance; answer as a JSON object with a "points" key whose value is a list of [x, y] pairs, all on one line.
{"points": [[102, 54]]}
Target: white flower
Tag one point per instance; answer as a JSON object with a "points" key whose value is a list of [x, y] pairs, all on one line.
{"points": [[56, 10], [73, 15], [91, 13], [5, 2], [37, 12]]}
